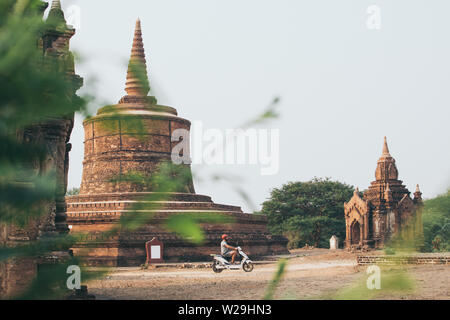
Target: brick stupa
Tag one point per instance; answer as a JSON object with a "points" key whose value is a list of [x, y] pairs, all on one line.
{"points": [[113, 148]]}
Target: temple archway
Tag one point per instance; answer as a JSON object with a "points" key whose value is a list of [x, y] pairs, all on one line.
{"points": [[355, 233]]}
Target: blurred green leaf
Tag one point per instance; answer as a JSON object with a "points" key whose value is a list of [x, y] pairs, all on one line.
{"points": [[278, 276], [394, 281], [188, 225]]}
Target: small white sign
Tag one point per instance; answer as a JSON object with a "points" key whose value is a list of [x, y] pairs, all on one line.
{"points": [[155, 252]]}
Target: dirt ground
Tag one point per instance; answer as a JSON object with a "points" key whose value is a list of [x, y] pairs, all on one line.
{"points": [[310, 274]]}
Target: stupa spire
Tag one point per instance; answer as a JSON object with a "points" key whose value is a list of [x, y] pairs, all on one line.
{"points": [[386, 148], [56, 15], [56, 4], [137, 80], [417, 194]]}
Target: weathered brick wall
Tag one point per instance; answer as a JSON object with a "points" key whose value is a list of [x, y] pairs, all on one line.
{"points": [[92, 217], [116, 145], [53, 135], [401, 260], [131, 252], [16, 275]]}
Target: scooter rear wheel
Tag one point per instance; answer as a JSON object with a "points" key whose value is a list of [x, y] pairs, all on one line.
{"points": [[248, 267], [215, 269]]}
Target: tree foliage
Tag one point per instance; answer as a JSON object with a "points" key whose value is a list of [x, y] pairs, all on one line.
{"points": [[308, 212], [33, 90], [436, 223], [73, 191]]}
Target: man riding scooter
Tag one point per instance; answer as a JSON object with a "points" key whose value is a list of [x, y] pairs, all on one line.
{"points": [[226, 250], [220, 262]]}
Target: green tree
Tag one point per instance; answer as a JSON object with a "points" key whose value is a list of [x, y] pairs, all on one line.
{"points": [[308, 212], [436, 223], [73, 192]]}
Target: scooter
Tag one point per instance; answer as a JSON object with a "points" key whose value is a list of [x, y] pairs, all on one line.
{"points": [[220, 263]]}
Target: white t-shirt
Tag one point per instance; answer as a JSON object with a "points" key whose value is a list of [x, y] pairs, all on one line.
{"points": [[223, 248]]}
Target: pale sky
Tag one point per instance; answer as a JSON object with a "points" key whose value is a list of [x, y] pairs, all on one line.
{"points": [[343, 87]]}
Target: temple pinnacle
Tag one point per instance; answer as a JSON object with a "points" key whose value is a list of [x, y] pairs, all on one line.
{"points": [[385, 148], [56, 4], [417, 194], [137, 80], [56, 16]]}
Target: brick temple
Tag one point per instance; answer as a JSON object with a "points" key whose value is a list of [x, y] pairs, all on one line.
{"points": [[385, 210], [53, 135], [114, 148]]}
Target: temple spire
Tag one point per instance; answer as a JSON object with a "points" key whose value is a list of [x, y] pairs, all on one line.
{"points": [[417, 194], [56, 16], [137, 80], [56, 4], [386, 148]]}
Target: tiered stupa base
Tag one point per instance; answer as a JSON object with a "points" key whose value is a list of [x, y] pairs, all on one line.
{"points": [[92, 215]]}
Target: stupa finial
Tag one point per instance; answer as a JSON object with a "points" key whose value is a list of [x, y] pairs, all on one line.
{"points": [[56, 4], [417, 194], [56, 15], [385, 148], [137, 80]]}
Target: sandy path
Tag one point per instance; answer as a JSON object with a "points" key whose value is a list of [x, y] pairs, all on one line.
{"points": [[207, 273], [314, 276]]}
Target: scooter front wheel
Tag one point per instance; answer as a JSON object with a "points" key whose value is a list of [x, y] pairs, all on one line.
{"points": [[248, 267], [215, 269]]}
